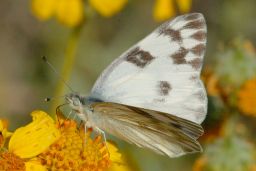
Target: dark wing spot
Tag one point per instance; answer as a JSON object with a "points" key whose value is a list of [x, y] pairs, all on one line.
{"points": [[198, 49], [179, 57], [196, 63], [139, 57], [173, 34], [164, 88], [192, 16], [200, 36], [197, 24]]}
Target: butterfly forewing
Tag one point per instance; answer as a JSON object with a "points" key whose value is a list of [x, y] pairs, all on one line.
{"points": [[161, 72]]}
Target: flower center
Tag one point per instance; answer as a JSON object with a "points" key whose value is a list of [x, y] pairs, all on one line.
{"points": [[75, 151], [10, 161]]}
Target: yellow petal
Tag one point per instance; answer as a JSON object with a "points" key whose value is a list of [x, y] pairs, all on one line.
{"points": [[115, 156], [70, 12], [118, 163], [43, 9], [184, 5], [119, 167], [1, 125], [34, 138], [4, 133], [34, 166], [163, 9], [108, 8]]}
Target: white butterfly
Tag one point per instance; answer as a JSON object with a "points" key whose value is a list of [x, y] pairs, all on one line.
{"points": [[152, 95]]}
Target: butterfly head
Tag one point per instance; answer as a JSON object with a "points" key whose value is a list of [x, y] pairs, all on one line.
{"points": [[79, 104], [75, 100]]}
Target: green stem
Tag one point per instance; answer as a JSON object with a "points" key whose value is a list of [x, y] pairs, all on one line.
{"points": [[70, 54]]}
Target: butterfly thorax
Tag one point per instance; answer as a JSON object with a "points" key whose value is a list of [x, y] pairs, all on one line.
{"points": [[76, 100]]}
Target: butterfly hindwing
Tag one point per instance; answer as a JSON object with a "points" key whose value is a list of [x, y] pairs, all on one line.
{"points": [[160, 132], [161, 72]]}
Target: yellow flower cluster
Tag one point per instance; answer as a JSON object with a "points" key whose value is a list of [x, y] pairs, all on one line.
{"points": [[247, 98], [45, 145], [108, 8], [67, 12], [165, 9], [71, 12]]}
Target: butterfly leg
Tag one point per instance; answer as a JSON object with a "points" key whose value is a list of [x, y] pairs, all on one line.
{"points": [[69, 114], [100, 131], [74, 117], [85, 130]]}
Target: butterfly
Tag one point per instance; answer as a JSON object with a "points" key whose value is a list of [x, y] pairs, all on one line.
{"points": [[152, 95]]}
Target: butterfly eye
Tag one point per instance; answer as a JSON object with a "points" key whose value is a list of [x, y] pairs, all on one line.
{"points": [[91, 108], [76, 102]]}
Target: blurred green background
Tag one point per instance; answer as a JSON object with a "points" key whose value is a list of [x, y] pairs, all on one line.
{"points": [[229, 69]]}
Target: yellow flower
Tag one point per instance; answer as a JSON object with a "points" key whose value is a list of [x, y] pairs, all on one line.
{"points": [[75, 150], [43, 9], [184, 5], [108, 8], [68, 12], [29, 141], [247, 98], [46, 145], [4, 133], [71, 12], [165, 9]]}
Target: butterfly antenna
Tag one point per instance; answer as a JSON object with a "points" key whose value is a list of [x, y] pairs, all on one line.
{"points": [[47, 99], [57, 73]]}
